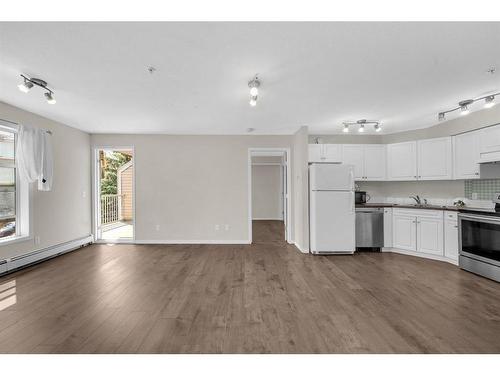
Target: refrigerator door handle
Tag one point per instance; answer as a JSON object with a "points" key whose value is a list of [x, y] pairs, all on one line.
{"points": [[352, 202]]}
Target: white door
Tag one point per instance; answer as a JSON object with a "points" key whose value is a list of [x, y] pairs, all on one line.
{"points": [[404, 230], [315, 153], [402, 161], [430, 235], [331, 177], [332, 153], [332, 221], [434, 159], [466, 156], [375, 162], [451, 239], [354, 155]]}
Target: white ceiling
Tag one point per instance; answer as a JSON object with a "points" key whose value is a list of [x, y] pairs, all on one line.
{"points": [[315, 74]]}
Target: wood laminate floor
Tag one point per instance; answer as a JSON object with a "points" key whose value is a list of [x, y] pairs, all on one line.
{"points": [[263, 298]]}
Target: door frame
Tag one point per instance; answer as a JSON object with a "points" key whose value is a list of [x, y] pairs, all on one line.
{"points": [[271, 151], [96, 187]]}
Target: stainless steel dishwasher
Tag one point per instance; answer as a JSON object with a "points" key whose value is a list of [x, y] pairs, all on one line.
{"points": [[369, 227]]}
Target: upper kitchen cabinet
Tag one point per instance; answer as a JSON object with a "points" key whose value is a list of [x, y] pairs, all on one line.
{"points": [[434, 159], [369, 161], [402, 161], [489, 144], [354, 155], [375, 162], [325, 153], [466, 156]]}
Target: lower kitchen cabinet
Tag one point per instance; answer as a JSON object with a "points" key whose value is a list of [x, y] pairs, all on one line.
{"points": [[430, 235], [451, 236], [387, 227], [418, 230], [404, 232]]}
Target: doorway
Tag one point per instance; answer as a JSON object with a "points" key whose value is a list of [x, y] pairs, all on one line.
{"points": [[114, 194], [268, 193]]}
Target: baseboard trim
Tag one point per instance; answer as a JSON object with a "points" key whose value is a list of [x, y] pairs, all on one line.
{"points": [[18, 262], [192, 242], [420, 255], [268, 218], [300, 248]]}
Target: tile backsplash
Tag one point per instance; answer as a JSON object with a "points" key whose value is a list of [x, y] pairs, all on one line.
{"points": [[483, 188]]}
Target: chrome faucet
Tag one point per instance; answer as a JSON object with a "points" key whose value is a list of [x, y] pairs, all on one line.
{"points": [[417, 199]]}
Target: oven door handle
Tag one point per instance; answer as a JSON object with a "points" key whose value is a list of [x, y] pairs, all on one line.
{"points": [[483, 219]]}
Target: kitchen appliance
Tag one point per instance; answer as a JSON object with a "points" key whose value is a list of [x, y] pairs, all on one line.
{"points": [[369, 227], [331, 208], [361, 197], [479, 240]]}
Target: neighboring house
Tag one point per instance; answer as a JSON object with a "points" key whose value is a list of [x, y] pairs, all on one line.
{"points": [[125, 175]]}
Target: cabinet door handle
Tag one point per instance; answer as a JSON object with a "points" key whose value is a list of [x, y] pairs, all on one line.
{"points": [[456, 226], [477, 173]]}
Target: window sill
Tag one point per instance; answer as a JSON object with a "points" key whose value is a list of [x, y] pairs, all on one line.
{"points": [[16, 239]]}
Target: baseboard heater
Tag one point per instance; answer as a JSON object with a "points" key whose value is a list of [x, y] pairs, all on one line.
{"points": [[21, 261]]}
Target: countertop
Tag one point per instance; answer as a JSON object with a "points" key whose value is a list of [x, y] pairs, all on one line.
{"points": [[465, 209], [420, 207]]}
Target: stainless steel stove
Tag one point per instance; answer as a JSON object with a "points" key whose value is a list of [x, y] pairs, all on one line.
{"points": [[479, 240]]}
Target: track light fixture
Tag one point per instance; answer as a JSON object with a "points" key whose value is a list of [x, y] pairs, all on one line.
{"points": [[464, 105], [28, 83], [254, 85], [361, 123]]}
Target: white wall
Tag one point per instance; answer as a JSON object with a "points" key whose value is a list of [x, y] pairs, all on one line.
{"points": [[301, 184], [62, 214], [188, 184], [267, 192]]}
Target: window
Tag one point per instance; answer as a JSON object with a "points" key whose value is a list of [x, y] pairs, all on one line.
{"points": [[13, 193]]}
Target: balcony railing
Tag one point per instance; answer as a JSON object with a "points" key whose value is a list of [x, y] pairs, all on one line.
{"points": [[111, 208]]}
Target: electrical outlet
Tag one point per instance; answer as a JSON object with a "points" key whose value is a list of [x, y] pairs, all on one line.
{"points": [[474, 195], [217, 227], [226, 227], [157, 227]]}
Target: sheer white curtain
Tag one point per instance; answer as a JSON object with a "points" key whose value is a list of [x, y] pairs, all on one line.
{"points": [[34, 156]]}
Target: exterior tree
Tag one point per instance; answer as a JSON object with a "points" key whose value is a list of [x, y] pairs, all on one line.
{"points": [[110, 162]]}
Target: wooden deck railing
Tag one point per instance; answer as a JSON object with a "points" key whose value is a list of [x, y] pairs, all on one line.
{"points": [[110, 208]]}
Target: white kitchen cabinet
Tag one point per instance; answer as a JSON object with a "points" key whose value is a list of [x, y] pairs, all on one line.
{"points": [[466, 156], [451, 236], [354, 155], [404, 232], [418, 230], [430, 235], [387, 227], [315, 153], [434, 160], [489, 143], [402, 161], [375, 162], [325, 153], [369, 161]]}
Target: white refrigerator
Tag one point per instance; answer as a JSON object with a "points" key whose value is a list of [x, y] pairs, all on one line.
{"points": [[331, 209]]}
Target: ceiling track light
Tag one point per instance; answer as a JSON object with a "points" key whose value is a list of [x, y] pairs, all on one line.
{"points": [[361, 123], [28, 84], [254, 85], [464, 105]]}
